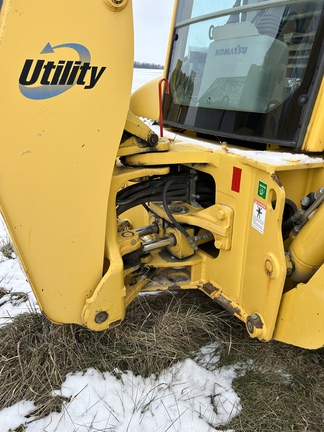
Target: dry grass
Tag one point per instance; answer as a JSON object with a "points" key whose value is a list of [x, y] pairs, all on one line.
{"points": [[6, 247], [281, 389], [15, 297], [36, 355], [280, 386]]}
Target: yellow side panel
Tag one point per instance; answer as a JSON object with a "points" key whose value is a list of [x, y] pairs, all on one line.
{"points": [[301, 316], [145, 100], [65, 82]]}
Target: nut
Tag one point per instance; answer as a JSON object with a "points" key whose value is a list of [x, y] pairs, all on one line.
{"points": [[101, 317]]}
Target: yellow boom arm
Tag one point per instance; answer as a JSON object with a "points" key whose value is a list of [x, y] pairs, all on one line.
{"points": [[62, 115]]}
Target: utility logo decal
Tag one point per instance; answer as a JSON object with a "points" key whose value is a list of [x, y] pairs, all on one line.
{"points": [[259, 216], [41, 79]]}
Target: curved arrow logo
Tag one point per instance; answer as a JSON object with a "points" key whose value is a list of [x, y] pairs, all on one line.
{"points": [[56, 77]]}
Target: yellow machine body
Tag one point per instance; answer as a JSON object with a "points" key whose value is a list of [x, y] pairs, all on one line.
{"points": [[100, 207]]}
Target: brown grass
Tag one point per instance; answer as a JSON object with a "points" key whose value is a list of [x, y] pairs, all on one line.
{"points": [[281, 387], [157, 332], [6, 247]]}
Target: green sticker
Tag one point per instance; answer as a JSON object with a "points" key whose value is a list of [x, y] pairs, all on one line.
{"points": [[262, 190]]}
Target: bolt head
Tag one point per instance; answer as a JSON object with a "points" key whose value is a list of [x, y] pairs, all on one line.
{"points": [[250, 326], [101, 317], [116, 5], [269, 267]]}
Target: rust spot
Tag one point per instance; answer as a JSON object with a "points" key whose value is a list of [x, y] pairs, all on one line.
{"points": [[209, 289], [276, 179], [114, 324], [227, 304], [255, 321], [174, 287]]}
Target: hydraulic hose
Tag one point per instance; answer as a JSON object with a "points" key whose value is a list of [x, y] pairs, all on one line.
{"points": [[152, 190]]}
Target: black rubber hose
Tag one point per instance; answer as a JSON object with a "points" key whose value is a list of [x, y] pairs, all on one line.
{"points": [[168, 212], [122, 208]]}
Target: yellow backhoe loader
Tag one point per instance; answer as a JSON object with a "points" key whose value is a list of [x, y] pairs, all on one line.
{"points": [[226, 196]]}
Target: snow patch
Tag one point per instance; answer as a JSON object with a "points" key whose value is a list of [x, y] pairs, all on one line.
{"points": [[14, 416], [187, 396], [16, 295], [272, 158]]}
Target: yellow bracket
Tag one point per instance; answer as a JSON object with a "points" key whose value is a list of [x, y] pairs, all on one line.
{"points": [[143, 139], [218, 219], [106, 306], [129, 241], [135, 146], [136, 127]]}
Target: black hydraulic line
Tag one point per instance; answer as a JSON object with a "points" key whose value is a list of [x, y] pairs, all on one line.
{"points": [[153, 190], [149, 210], [122, 208], [153, 182], [168, 212], [142, 186], [137, 191], [155, 197]]}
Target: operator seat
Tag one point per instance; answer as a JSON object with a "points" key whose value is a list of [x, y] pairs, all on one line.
{"points": [[244, 70]]}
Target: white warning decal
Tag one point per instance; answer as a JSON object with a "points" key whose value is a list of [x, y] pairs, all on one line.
{"points": [[258, 216]]}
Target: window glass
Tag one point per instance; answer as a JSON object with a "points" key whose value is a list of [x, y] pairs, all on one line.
{"points": [[249, 61]]}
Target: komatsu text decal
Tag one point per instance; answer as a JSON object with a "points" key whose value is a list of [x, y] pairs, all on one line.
{"points": [[56, 77]]}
